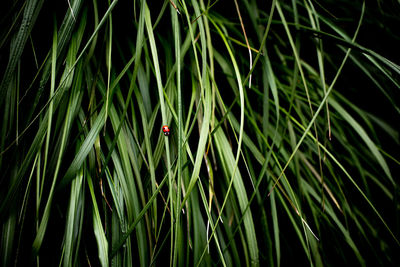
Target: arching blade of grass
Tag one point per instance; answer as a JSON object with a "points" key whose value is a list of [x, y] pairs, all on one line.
{"points": [[364, 136], [374, 80], [249, 227], [369, 54], [227, 156]]}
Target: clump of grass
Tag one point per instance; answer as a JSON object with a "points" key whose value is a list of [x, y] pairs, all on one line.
{"points": [[283, 147]]}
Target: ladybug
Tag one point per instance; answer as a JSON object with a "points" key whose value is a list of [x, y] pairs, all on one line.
{"points": [[166, 130]]}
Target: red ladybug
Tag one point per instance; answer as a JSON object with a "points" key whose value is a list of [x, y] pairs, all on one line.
{"points": [[166, 130]]}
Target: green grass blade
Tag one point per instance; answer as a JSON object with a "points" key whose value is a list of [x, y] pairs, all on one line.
{"points": [[102, 244], [31, 12]]}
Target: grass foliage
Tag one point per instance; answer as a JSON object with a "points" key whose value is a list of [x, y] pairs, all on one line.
{"points": [[284, 145]]}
